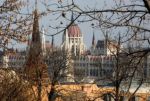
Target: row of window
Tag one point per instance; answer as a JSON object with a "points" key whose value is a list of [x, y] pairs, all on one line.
{"points": [[107, 65], [81, 64], [17, 58], [95, 72], [93, 65], [15, 64]]}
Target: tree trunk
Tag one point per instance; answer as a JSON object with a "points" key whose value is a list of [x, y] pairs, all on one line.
{"points": [[51, 95], [39, 91]]}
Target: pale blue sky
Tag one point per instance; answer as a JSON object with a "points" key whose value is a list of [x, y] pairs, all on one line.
{"points": [[50, 19], [86, 28]]}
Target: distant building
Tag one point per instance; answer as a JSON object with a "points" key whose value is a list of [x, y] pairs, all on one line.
{"points": [[73, 40], [104, 47], [87, 65], [14, 59], [91, 68]]}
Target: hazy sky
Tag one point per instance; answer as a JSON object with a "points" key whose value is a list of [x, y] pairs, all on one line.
{"points": [[86, 28]]}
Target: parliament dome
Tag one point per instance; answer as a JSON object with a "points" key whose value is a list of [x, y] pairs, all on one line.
{"points": [[74, 31]]}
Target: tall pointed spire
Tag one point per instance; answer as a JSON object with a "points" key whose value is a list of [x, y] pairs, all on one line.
{"points": [[106, 39], [52, 43], [72, 16], [36, 32], [35, 67], [36, 4], [93, 40]]}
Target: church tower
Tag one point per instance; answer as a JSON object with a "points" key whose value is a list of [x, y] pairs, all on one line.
{"points": [[35, 68], [93, 41], [93, 47], [73, 39]]}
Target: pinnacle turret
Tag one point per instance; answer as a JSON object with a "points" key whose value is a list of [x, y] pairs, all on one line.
{"points": [[93, 41]]}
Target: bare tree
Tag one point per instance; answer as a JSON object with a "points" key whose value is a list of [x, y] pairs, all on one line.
{"points": [[125, 68], [13, 87], [132, 19], [60, 69], [14, 24]]}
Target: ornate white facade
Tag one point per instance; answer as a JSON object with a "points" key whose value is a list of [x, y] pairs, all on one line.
{"points": [[73, 40]]}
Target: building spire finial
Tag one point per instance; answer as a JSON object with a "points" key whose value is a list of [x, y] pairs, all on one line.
{"points": [[106, 37], [35, 4], [72, 16], [52, 41], [93, 40]]}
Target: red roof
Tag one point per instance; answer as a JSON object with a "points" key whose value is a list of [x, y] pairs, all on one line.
{"points": [[74, 31]]}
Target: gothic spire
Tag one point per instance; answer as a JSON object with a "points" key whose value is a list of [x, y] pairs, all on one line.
{"points": [[36, 32], [72, 17], [52, 43], [35, 67], [93, 40]]}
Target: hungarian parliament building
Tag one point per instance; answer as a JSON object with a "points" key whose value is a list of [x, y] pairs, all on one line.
{"points": [[87, 65]]}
